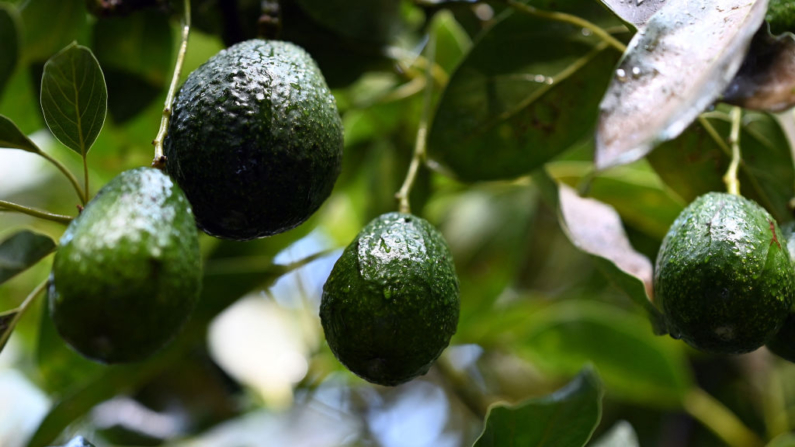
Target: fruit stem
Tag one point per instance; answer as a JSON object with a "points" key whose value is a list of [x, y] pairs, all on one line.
{"points": [[160, 159], [9, 206], [719, 419], [72, 179], [20, 310], [730, 179], [422, 132], [568, 18]]}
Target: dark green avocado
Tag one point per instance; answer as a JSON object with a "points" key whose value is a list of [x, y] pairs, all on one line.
{"points": [[783, 344], [390, 305], [128, 270], [723, 275], [781, 16], [255, 140]]}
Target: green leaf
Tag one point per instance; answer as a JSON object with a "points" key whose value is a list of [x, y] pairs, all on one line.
{"points": [[695, 163], [566, 418], [621, 435], [9, 43], [21, 251], [664, 80], [50, 25], [7, 324], [785, 440], [635, 365], [12, 137], [74, 97], [452, 41], [527, 91], [634, 13], [595, 228], [135, 53], [766, 80]]}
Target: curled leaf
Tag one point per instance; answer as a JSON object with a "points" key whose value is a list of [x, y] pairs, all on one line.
{"points": [[21, 251], [12, 137], [565, 418], [766, 80], [673, 69]]}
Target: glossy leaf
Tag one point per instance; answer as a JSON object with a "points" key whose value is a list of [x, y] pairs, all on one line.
{"points": [[50, 25], [566, 418], [527, 91], [135, 53], [664, 80], [370, 20], [74, 97], [21, 251], [595, 228], [9, 43], [766, 80], [12, 137], [635, 365], [695, 163], [621, 435], [635, 13]]}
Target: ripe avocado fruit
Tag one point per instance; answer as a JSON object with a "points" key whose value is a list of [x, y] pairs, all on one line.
{"points": [[783, 343], [781, 16], [723, 276], [128, 270], [255, 140], [390, 304]]}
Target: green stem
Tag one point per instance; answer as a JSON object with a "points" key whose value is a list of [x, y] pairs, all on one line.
{"points": [[730, 179], [160, 159], [86, 193], [10, 206], [20, 311], [71, 177], [719, 419], [568, 18], [402, 195], [474, 401]]}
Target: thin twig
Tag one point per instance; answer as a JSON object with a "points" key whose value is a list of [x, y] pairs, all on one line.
{"points": [[10, 206], [160, 159], [719, 419], [422, 132], [730, 179], [568, 18], [86, 193], [71, 177], [20, 311]]}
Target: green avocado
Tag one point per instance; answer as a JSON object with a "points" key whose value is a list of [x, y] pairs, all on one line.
{"points": [[783, 344], [781, 16], [255, 140], [79, 442], [128, 270], [390, 305], [723, 276]]}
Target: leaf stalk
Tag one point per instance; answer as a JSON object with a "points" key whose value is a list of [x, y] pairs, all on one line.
{"points": [[10, 206], [730, 179]]}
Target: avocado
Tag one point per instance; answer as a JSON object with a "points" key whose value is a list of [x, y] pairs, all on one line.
{"points": [[390, 304], [781, 16], [255, 140], [783, 343], [128, 270], [723, 275], [79, 441]]}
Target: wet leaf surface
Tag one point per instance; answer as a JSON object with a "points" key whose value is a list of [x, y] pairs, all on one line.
{"points": [[665, 80], [634, 12]]}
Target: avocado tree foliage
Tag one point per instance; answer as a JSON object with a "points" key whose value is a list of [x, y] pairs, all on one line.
{"points": [[552, 144]]}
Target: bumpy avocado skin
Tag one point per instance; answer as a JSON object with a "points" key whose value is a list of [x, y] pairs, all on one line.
{"points": [[723, 275], [255, 140], [783, 343], [128, 270], [781, 16], [390, 305]]}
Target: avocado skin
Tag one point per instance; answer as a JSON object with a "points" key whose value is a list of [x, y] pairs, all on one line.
{"points": [[390, 305], [723, 275], [781, 16], [783, 343], [128, 271], [255, 140]]}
